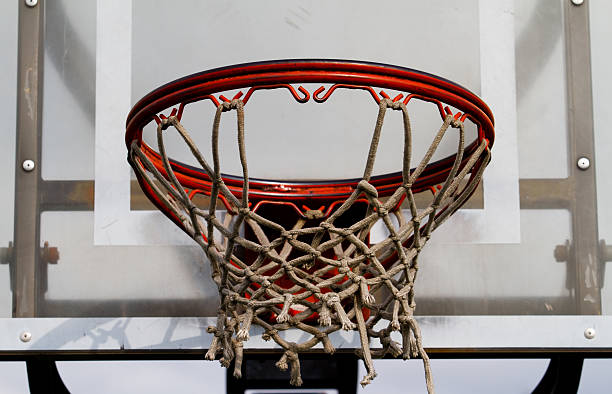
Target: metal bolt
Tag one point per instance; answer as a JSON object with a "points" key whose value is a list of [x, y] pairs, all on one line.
{"points": [[583, 163], [589, 333], [31, 3], [25, 336], [28, 165], [562, 252], [577, 2]]}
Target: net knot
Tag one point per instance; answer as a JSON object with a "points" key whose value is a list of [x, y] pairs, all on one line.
{"points": [[368, 378], [263, 249], [217, 179], [367, 188], [313, 214], [366, 297], [244, 211], [330, 298], [282, 363], [333, 300], [232, 104], [243, 333], [266, 336], [283, 317], [326, 225], [382, 211], [397, 105], [386, 102], [324, 313], [165, 123], [214, 345], [390, 345], [395, 323], [456, 123]]}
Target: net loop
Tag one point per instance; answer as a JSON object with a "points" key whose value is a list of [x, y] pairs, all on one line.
{"points": [[367, 188], [456, 123]]}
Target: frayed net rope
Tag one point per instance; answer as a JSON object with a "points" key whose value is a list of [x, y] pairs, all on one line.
{"points": [[337, 280]]}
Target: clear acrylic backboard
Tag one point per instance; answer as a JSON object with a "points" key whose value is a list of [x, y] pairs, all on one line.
{"points": [[522, 266]]}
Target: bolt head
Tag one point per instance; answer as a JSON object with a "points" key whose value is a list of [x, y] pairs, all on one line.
{"points": [[583, 163], [31, 3], [562, 252], [25, 336], [589, 333], [577, 2], [28, 165]]}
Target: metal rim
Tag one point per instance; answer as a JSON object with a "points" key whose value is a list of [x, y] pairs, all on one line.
{"points": [[282, 73]]}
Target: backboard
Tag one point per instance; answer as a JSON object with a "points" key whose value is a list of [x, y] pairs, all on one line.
{"points": [[521, 267]]}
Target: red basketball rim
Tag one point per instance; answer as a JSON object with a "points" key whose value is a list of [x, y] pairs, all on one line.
{"points": [[362, 74]]}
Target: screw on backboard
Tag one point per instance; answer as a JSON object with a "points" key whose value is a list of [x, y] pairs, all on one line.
{"points": [[583, 163], [589, 333], [28, 165], [25, 336]]}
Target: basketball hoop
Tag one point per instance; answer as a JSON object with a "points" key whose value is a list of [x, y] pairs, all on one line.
{"points": [[314, 274]]}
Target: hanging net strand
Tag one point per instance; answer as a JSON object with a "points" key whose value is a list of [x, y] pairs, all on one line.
{"points": [[316, 276]]}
